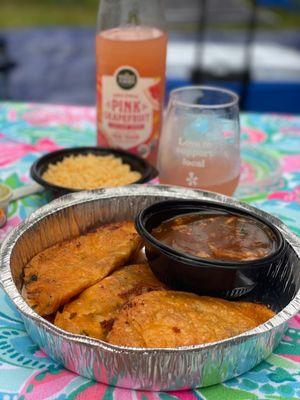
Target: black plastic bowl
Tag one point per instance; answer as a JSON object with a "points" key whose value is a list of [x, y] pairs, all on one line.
{"points": [[183, 271], [147, 171]]}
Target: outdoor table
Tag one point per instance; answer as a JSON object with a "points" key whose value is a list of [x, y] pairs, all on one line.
{"points": [[270, 180]]}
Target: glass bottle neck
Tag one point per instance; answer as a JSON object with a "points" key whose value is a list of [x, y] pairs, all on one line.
{"points": [[122, 13]]}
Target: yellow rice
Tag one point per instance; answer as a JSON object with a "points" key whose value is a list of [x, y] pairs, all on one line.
{"points": [[90, 172]]}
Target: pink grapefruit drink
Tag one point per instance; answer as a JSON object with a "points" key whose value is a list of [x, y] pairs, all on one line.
{"points": [[131, 64]]}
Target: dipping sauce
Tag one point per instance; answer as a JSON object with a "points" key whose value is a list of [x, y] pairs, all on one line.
{"points": [[217, 236]]}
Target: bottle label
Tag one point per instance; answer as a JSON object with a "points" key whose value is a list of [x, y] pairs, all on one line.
{"points": [[128, 110]]}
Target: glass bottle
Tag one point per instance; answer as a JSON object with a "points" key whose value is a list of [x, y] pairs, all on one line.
{"points": [[131, 45]]}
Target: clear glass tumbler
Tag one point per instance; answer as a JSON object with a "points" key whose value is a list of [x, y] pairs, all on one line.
{"points": [[200, 143]]}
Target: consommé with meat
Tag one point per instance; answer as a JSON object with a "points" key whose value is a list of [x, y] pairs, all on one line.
{"points": [[219, 236]]}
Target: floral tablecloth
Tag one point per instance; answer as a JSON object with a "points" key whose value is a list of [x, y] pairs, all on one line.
{"points": [[270, 180]]}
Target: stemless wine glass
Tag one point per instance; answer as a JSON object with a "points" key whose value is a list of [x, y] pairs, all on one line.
{"points": [[200, 143]]}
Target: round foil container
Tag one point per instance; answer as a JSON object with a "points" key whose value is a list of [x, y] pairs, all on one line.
{"points": [[5, 197], [143, 368]]}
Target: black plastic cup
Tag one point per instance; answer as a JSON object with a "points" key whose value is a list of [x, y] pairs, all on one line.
{"points": [[182, 271], [147, 171]]}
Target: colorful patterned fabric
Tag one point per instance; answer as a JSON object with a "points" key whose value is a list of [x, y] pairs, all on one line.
{"points": [[270, 180]]}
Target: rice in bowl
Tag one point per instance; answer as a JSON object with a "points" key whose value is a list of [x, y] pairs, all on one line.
{"points": [[87, 172]]}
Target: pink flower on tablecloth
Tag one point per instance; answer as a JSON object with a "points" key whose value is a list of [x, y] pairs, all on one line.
{"points": [[10, 224], [292, 357], [247, 172], [25, 178], [60, 115], [40, 353], [12, 115], [98, 391], [12, 152], [46, 144], [291, 163], [286, 195], [295, 322], [253, 135], [185, 395], [43, 388]]}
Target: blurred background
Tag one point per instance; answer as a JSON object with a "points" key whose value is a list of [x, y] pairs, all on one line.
{"points": [[253, 47]]}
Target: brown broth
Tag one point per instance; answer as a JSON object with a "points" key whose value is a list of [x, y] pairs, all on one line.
{"points": [[221, 236]]}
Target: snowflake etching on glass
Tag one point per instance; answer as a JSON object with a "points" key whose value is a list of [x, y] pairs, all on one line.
{"points": [[192, 179]]}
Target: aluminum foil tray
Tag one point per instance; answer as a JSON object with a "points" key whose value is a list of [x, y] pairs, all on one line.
{"points": [[141, 368]]}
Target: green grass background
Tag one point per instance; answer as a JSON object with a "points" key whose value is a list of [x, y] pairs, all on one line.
{"points": [[28, 13]]}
